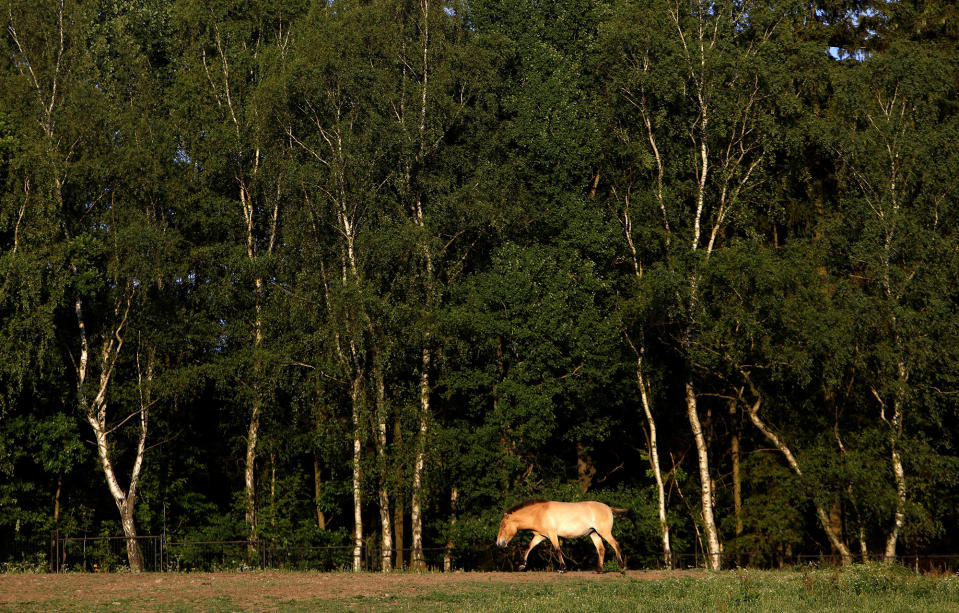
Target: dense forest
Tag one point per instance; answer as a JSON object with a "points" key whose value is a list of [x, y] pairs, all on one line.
{"points": [[365, 273]]}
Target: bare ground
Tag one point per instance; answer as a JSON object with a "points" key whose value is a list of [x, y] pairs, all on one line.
{"points": [[261, 590]]}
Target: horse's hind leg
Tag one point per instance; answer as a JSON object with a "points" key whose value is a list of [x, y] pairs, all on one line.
{"points": [[600, 549], [608, 536], [562, 563], [537, 539]]}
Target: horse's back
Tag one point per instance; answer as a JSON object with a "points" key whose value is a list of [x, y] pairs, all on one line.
{"points": [[574, 519]]}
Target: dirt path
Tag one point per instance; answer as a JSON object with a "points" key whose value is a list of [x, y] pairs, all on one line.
{"points": [[260, 589]]}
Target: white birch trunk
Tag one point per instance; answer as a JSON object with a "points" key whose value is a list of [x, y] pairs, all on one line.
{"points": [[890, 128], [861, 532], [833, 532], [728, 165], [357, 481], [249, 474], [895, 432], [713, 548], [654, 463], [416, 504], [224, 96], [386, 561], [448, 557], [644, 392], [95, 411], [48, 97], [398, 505], [899, 517]]}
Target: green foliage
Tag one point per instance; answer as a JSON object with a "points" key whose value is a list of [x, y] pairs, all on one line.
{"points": [[553, 202]]}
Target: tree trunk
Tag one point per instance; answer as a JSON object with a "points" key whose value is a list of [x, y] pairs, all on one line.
{"points": [[416, 512], [249, 475], [448, 557], [56, 501], [713, 547], [386, 561], [653, 450], [134, 556], [850, 492], [585, 470], [895, 432], [317, 490], [273, 491], [899, 517], [398, 509], [124, 502], [737, 479], [95, 411], [833, 531], [644, 392], [253, 429], [357, 479]]}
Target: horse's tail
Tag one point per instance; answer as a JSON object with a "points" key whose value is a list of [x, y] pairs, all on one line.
{"points": [[621, 511]]}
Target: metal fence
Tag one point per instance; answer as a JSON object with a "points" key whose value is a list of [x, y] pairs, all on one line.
{"points": [[944, 563], [102, 553], [109, 553]]}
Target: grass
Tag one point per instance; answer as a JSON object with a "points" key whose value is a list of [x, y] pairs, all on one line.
{"points": [[862, 588]]}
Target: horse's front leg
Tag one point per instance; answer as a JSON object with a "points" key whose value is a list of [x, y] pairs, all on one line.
{"points": [[537, 539], [562, 563]]}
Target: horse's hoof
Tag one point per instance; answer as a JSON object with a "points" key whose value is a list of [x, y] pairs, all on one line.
{"points": [[561, 571], [522, 567]]}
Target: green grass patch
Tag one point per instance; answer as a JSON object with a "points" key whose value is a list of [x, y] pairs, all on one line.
{"points": [[861, 588]]}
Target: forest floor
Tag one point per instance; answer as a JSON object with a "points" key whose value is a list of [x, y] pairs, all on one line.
{"points": [[871, 590]]}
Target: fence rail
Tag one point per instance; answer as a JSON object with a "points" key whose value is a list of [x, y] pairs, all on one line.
{"points": [[109, 553], [766, 559]]}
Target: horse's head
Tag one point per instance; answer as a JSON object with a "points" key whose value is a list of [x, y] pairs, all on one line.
{"points": [[507, 530]]}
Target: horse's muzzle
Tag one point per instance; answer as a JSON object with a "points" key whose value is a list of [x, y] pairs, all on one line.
{"points": [[500, 542]]}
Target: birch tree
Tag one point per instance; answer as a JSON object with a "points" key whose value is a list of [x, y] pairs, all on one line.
{"points": [[106, 268], [697, 82], [431, 95], [896, 196], [343, 153], [231, 55], [624, 200]]}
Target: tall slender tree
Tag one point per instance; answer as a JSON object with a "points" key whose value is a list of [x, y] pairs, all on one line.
{"points": [[894, 174], [230, 57]]}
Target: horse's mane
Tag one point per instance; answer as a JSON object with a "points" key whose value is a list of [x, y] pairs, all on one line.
{"points": [[524, 504]]}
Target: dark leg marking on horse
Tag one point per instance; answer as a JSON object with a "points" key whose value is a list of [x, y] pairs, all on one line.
{"points": [[600, 549], [608, 537]]}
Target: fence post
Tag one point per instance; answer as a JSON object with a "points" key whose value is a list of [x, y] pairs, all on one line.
{"points": [[53, 551]]}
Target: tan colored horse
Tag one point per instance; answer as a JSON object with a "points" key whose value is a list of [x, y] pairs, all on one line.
{"points": [[550, 520]]}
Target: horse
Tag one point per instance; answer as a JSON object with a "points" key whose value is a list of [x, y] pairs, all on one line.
{"points": [[549, 519]]}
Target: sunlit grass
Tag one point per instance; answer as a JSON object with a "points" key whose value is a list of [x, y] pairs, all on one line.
{"points": [[860, 588]]}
